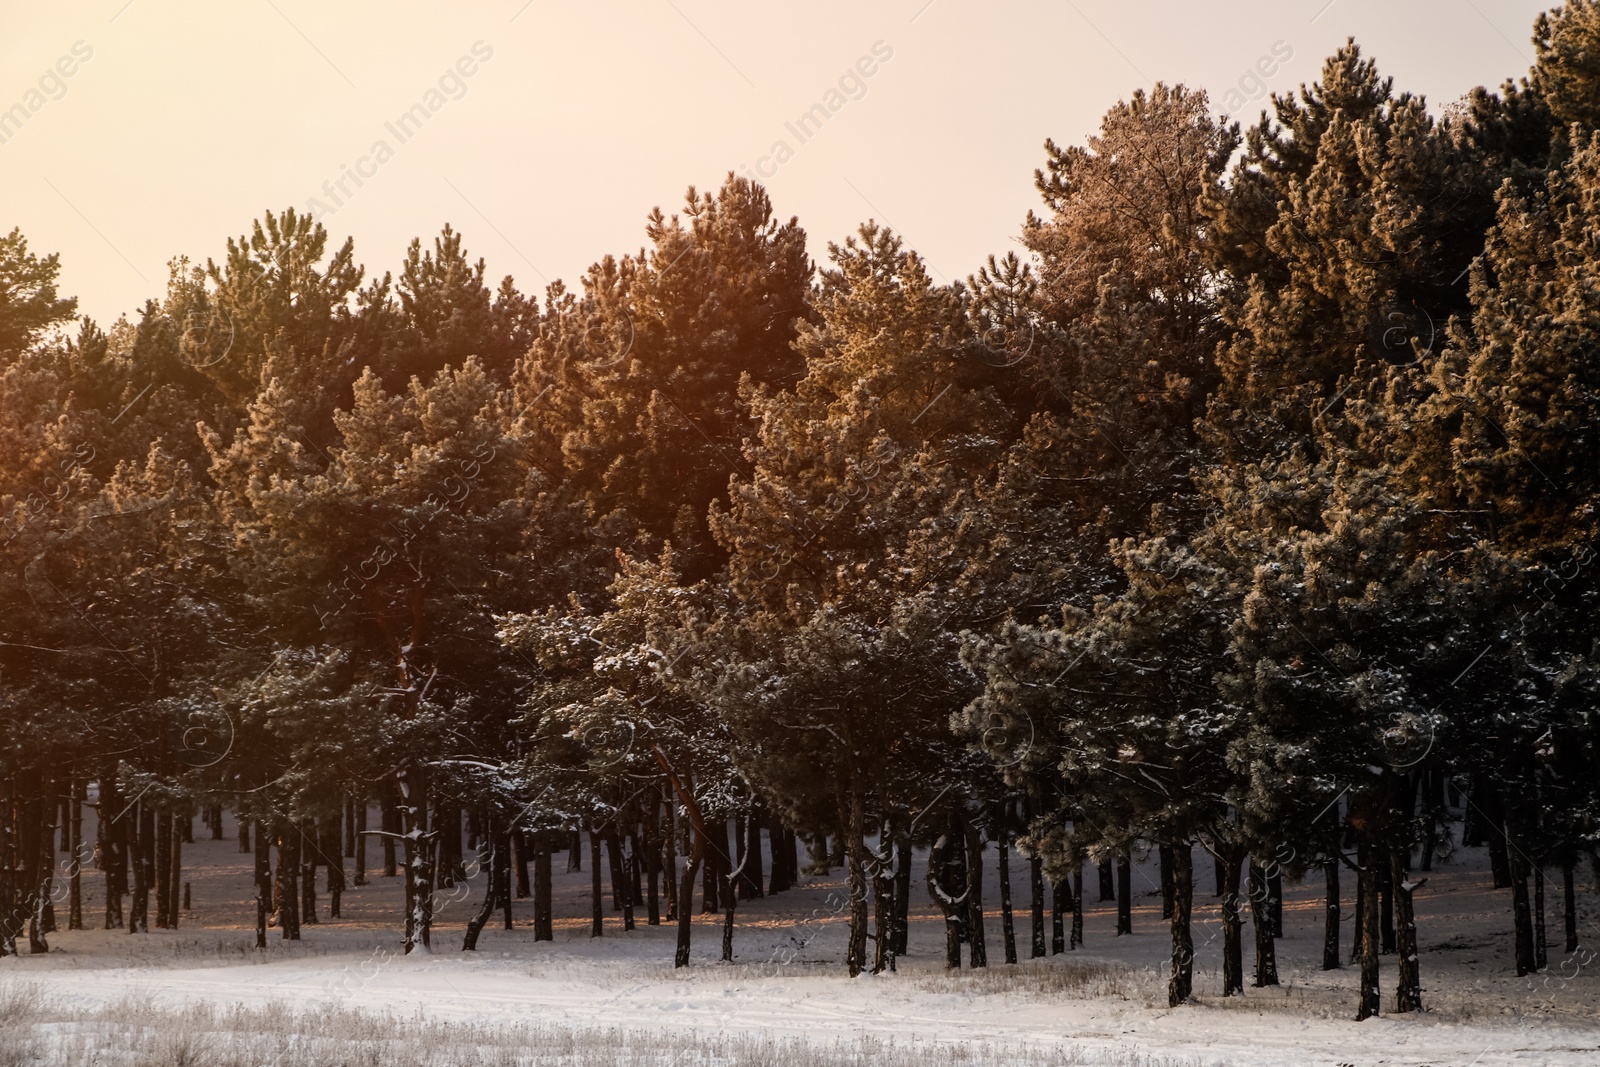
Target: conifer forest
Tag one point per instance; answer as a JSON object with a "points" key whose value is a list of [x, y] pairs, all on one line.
{"points": [[1222, 558]]}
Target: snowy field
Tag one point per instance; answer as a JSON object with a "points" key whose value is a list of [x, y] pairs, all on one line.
{"points": [[203, 995]]}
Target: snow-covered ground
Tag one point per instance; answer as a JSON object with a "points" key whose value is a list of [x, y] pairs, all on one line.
{"points": [[1105, 1003]]}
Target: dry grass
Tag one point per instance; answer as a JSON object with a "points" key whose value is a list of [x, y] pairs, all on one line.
{"points": [[134, 1032], [1061, 978]]}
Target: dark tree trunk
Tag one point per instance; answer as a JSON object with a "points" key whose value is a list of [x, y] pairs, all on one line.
{"points": [[175, 869], [138, 838], [510, 844], [163, 837], [711, 877], [243, 826], [523, 845], [575, 852], [669, 856], [883, 913], [1124, 894], [1036, 896], [1367, 1000], [75, 850], [1008, 932], [111, 836], [1075, 940], [1330, 921], [288, 894], [1408, 990], [1385, 905], [1522, 917], [1541, 943], [390, 824], [497, 866], [263, 880], [596, 888], [1261, 920], [1108, 884], [652, 867], [309, 856], [1231, 858], [332, 854], [943, 876], [1180, 984], [1569, 901], [902, 894], [1058, 909], [979, 956], [1275, 899], [620, 891], [543, 904], [856, 856], [360, 838], [750, 862], [1166, 881]]}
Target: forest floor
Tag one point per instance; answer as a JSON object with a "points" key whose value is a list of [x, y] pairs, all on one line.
{"points": [[202, 994]]}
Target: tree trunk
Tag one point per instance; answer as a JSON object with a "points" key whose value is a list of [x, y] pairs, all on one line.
{"points": [[164, 836], [652, 860], [360, 835], [543, 904], [263, 880], [1522, 916], [75, 876], [523, 845], [1165, 852], [1231, 858], [979, 956], [856, 856], [110, 836], [1569, 912], [1058, 908], [1261, 920], [1541, 943], [389, 822], [175, 870], [1124, 894], [333, 855], [310, 854], [1367, 1000], [596, 887], [492, 850], [902, 893], [139, 865], [941, 876], [669, 856], [1330, 921], [1036, 892], [288, 889], [1385, 905], [1408, 990], [750, 862], [1008, 932], [1075, 940], [1108, 884], [1180, 984]]}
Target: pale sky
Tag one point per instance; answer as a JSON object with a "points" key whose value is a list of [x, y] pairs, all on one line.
{"points": [[187, 120]]}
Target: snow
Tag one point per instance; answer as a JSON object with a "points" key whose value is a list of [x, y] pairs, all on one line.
{"points": [[1101, 1002]]}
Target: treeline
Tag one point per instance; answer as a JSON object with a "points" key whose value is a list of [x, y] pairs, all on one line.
{"points": [[1252, 510]]}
